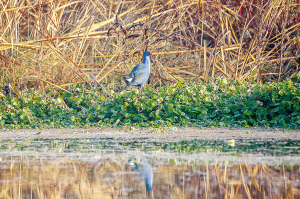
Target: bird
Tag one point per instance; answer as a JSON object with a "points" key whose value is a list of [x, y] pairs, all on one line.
{"points": [[9, 91], [140, 73], [145, 171]]}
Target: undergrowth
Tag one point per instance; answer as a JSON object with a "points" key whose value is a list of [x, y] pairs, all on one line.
{"points": [[214, 104]]}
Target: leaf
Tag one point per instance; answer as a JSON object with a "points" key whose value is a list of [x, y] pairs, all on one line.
{"points": [[170, 91], [275, 110], [259, 103], [207, 99], [97, 108], [204, 111]]}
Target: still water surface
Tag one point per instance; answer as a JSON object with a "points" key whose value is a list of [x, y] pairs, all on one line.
{"points": [[117, 168]]}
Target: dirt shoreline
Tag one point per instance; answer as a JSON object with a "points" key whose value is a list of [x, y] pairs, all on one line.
{"points": [[157, 135]]}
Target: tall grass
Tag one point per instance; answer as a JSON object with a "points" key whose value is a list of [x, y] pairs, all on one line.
{"points": [[59, 43]]}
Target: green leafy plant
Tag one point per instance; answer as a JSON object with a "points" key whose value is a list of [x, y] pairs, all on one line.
{"points": [[217, 104]]}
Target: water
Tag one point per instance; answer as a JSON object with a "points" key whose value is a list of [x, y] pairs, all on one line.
{"points": [[115, 168]]}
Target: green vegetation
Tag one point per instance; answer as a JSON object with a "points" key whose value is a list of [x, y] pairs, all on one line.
{"points": [[60, 44], [213, 104]]}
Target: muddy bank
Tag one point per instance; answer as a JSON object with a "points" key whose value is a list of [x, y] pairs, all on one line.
{"points": [[160, 134]]}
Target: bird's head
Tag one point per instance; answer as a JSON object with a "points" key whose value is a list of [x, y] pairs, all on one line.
{"points": [[147, 53]]}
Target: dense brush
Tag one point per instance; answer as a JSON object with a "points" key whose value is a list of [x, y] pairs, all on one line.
{"points": [[55, 45]]}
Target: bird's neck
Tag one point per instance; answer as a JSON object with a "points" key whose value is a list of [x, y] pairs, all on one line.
{"points": [[146, 60]]}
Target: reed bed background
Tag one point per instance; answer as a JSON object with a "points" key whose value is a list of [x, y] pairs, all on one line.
{"points": [[46, 44], [51, 177]]}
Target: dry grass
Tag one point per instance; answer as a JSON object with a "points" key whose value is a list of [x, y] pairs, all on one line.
{"points": [[50, 177], [60, 43]]}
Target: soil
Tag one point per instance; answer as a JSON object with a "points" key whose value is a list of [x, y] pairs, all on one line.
{"points": [[153, 134]]}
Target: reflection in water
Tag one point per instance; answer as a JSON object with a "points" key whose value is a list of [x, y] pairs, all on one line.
{"points": [[71, 169], [145, 171]]}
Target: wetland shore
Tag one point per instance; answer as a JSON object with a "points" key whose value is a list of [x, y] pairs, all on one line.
{"points": [[153, 134]]}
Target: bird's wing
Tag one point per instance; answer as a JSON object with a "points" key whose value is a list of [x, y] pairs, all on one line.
{"points": [[137, 69], [140, 73], [134, 73]]}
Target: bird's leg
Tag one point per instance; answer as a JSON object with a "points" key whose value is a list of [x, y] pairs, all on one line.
{"points": [[140, 89]]}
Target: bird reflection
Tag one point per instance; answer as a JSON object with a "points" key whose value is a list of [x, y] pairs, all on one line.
{"points": [[144, 169]]}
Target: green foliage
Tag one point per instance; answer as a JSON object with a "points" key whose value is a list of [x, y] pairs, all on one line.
{"points": [[218, 104]]}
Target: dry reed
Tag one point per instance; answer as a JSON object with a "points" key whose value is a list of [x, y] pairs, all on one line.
{"points": [[60, 43]]}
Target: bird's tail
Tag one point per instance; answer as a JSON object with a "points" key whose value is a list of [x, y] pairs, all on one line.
{"points": [[128, 79]]}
